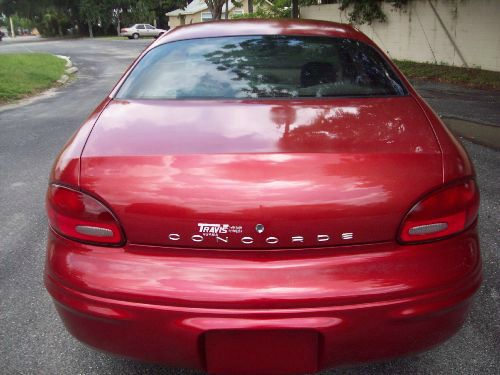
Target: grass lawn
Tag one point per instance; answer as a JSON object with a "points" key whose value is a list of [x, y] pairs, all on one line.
{"points": [[28, 73], [450, 74]]}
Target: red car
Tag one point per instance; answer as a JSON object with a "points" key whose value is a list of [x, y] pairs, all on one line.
{"points": [[263, 197]]}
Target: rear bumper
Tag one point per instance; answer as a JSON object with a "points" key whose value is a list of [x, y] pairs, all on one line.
{"points": [[418, 304]]}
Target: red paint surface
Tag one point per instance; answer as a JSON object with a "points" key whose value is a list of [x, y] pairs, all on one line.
{"points": [[299, 167], [366, 302]]}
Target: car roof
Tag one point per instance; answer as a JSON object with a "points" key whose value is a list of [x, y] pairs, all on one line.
{"points": [[262, 27]]}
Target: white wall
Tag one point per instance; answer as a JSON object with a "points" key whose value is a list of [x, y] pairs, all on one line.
{"points": [[415, 32]]}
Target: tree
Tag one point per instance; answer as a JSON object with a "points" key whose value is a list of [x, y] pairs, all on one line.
{"points": [[90, 11], [367, 11], [295, 8], [277, 9], [53, 17], [215, 7], [148, 10], [53, 21], [360, 11], [24, 8]]}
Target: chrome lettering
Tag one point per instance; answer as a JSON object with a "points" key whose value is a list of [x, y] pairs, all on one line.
{"points": [[225, 240], [271, 240], [214, 230], [247, 240], [347, 236], [174, 237], [323, 237]]}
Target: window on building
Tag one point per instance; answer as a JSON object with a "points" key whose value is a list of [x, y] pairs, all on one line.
{"points": [[206, 16]]}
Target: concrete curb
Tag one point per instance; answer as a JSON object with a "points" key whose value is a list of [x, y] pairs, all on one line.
{"points": [[70, 69], [64, 78], [67, 59]]}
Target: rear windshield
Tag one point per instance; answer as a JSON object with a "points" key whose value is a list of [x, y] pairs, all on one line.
{"points": [[261, 67]]}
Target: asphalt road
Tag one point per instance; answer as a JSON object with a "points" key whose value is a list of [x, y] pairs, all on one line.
{"points": [[33, 339]]}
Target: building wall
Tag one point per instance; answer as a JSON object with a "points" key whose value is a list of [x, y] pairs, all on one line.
{"points": [[189, 19], [416, 32]]}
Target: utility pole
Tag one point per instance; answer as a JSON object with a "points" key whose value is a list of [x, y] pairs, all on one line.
{"points": [[13, 34]]}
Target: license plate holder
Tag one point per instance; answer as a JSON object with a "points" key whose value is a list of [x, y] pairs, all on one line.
{"points": [[261, 351]]}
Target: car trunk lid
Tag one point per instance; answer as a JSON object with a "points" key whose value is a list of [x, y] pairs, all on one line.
{"points": [[261, 174]]}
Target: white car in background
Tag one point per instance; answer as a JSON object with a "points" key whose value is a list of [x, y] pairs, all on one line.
{"points": [[141, 30]]}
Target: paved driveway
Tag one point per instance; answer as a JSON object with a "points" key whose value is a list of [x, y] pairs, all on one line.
{"points": [[34, 341]]}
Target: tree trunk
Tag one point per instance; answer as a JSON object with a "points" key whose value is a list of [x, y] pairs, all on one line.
{"points": [[13, 34], [118, 27], [226, 16], [250, 6], [217, 13], [295, 8], [215, 7], [91, 32], [59, 29]]}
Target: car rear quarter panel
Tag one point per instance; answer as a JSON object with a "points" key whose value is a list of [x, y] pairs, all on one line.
{"points": [[455, 160], [66, 169]]}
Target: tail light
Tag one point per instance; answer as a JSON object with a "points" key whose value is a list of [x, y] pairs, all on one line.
{"points": [[79, 216], [123, 30], [442, 213]]}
